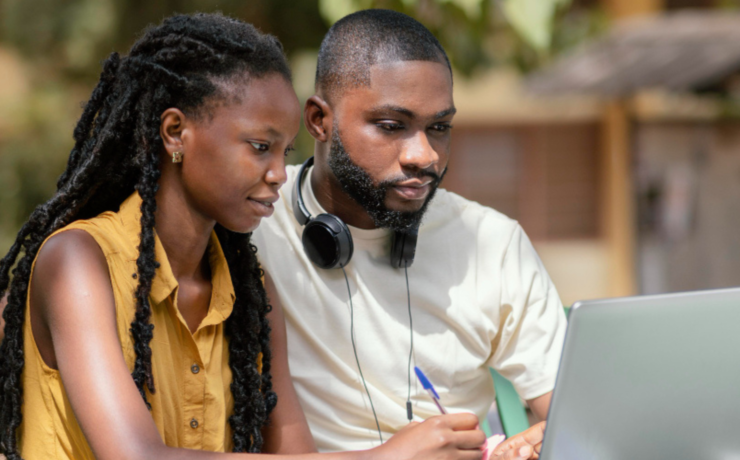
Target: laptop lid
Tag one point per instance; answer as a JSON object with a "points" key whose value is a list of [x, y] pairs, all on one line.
{"points": [[649, 377]]}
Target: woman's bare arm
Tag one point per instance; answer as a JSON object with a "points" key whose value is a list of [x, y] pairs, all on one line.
{"points": [[72, 302], [288, 431]]}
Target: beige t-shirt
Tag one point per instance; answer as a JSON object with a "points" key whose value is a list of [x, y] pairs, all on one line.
{"points": [[480, 297]]}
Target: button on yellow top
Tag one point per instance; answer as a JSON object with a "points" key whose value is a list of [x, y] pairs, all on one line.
{"points": [[201, 396]]}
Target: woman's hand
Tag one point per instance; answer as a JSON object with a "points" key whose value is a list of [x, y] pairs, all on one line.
{"points": [[444, 437]]}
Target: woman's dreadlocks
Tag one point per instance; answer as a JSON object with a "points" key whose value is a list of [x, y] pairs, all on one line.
{"points": [[117, 151]]}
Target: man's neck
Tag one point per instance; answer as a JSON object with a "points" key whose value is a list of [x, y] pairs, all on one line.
{"points": [[334, 200]]}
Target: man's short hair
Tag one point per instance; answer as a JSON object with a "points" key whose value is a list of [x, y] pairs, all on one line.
{"points": [[363, 39]]}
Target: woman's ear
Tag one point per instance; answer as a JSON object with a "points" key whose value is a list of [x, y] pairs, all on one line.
{"points": [[173, 121], [317, 116]]}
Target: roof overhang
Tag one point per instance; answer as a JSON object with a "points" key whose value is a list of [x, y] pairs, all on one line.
{"points": [[679, 51]]}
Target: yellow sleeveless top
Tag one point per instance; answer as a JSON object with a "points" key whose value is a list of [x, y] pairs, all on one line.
{"points": [[192, 402]]}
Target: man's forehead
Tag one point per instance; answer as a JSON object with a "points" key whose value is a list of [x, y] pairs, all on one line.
{"points": [[422, 87], [399, 75]]}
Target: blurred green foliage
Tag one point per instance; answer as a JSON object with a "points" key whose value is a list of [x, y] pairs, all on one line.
{"points": [[50, 54]]}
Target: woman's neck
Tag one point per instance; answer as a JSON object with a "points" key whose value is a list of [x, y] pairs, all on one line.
{"points": [[184, 234]]}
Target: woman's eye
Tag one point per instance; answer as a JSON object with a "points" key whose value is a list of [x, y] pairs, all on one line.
{"points": [[260, 147], [289, 149]]}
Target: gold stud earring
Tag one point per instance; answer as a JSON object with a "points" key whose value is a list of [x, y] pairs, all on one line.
{"points": [[177, 157]]}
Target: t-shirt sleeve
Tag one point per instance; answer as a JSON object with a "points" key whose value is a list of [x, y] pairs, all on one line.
{"points": [[531, 321]]}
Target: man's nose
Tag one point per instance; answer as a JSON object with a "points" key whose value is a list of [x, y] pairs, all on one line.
{"points": [[418, 152]]}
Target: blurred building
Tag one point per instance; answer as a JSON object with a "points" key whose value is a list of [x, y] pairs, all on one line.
{"points": [[622, 160]]}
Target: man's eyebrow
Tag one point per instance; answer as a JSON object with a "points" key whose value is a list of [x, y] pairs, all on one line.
{"points": [[444, 113], [395, 108], [412, 115]]}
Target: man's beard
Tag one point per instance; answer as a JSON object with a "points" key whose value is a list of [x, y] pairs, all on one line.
{"points": [[358, 184]]}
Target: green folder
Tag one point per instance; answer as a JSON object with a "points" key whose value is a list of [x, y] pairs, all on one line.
{"points": [[510, 410]]}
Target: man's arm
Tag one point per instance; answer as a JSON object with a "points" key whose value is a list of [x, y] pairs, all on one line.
{"points": [[540, 405], [531, 324], [537, 325]]}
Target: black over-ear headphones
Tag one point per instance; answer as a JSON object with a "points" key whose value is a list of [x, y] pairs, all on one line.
{"points": [[327, 240]]}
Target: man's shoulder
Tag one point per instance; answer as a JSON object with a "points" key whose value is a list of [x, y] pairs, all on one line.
{"points": [[292, 172], [286, 191]]}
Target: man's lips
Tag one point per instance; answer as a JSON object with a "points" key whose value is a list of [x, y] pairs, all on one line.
{"points": [[413, 189], [416, 183]]}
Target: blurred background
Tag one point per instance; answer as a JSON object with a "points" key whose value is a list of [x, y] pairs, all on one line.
{"points": [[608, 128]]}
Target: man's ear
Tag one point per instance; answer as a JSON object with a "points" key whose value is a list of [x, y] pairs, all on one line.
{"points": [[317, 116], [170, 129]]}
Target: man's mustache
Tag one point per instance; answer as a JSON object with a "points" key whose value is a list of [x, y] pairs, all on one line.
{"points": [[420, 174]]}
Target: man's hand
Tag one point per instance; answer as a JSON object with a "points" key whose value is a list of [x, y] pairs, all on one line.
{"points": [[525, 445]]}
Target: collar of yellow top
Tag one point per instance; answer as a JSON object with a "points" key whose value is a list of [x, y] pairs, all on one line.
{"points": [[164, 282]]}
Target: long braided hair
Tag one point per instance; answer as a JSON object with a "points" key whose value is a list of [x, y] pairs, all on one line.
{"points": [[117, 151]]}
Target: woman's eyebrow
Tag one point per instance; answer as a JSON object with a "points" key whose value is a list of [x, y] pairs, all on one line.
{"points": [[266, 131]]}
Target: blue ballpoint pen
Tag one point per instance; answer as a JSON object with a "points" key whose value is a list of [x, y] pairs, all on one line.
{"points": [[430, 389], [490, 443]]}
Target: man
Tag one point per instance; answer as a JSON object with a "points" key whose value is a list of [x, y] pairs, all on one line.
{"points": [[478, 294]]}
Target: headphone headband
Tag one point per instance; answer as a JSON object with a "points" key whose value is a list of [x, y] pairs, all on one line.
{"points": [[299, 207]]}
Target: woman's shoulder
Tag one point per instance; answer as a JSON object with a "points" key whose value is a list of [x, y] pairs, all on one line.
{"points": [[115, 232], [85, 247], [70, 265], [70, 249]]}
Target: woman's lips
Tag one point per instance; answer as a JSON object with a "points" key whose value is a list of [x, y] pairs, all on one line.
{"points": [[262, 208]]}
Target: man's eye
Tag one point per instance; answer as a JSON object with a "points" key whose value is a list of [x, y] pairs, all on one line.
{"points": [[260, 147], [390, 126], [441, 127]]}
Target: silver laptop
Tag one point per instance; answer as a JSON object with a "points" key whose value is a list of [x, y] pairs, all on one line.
{"points": [[653, 377]]}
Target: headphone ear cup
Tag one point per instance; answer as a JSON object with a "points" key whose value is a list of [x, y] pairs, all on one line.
{"points": [[327, 241], [403, 248]]}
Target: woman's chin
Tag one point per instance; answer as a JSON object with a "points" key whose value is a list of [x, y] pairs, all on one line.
{"points": [[243, 226]]}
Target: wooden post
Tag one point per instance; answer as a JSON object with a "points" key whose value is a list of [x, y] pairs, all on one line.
{"points": [[621, 9], [618, 208], [619, 220]]}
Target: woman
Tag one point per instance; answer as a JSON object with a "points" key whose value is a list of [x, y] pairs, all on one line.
{"points": [[136, 320]]}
